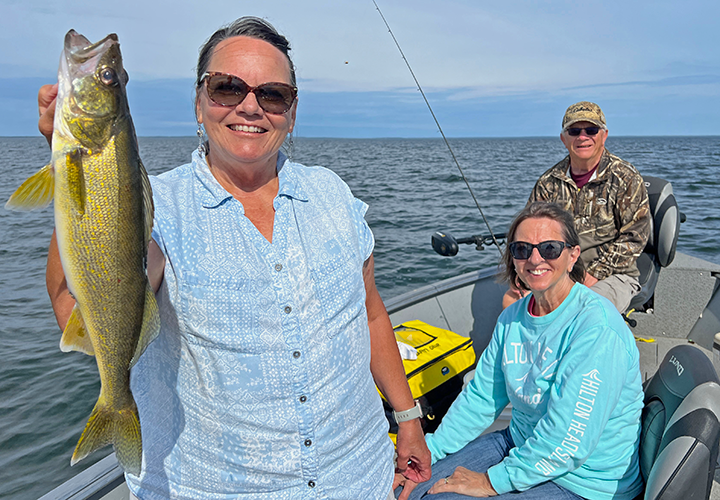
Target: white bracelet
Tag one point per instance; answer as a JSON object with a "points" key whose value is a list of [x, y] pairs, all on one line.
{"points": [[403, 416]]}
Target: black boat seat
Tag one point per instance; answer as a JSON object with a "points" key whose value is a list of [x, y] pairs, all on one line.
{"points": [[680, 427], [660, 249]]}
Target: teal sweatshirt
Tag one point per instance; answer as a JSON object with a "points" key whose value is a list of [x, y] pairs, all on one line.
{"points": [[573, 378]]}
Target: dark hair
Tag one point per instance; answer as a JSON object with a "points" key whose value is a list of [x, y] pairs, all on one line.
{"points": [[249, 26], [542, 210]]}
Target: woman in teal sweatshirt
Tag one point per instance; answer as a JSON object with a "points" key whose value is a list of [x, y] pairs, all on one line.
{"points": [[567, 362]]}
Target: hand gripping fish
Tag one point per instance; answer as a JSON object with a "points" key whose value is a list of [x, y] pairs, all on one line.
{"points": [[103, 220]]}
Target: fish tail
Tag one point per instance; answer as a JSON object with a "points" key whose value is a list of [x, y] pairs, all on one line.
{"points": [[121, 427]]}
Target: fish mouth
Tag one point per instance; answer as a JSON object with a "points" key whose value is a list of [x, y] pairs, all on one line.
{"points": [[80, 49], [91, 78]]}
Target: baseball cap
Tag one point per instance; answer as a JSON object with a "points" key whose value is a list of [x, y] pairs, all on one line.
{"points": [[584, 111]]}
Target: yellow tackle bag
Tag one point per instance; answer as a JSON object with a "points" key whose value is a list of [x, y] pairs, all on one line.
{"points": [[436, 376]]}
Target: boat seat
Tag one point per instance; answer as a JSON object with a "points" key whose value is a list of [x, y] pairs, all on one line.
{"points": [[680, 427], [659, 251]]}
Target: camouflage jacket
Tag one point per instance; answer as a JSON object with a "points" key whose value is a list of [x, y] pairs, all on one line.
{"points": [[612, 214]]}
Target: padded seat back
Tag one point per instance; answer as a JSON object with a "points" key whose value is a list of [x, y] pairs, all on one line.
{"points": [[680, 427], [666, 220], [662, 243]]}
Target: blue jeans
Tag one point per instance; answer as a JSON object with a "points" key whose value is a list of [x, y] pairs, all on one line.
{"points": [[479, 456]]}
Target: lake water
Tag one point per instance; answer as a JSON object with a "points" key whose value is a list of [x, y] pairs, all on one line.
{"points": [[413, 189]]}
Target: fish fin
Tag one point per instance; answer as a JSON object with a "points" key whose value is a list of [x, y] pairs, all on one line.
{"points": [[36, 192], [148, 206], [76, 179], [75, 337], [121, 427], [150, 325]]}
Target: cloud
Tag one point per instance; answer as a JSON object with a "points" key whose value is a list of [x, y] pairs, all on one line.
{"points": [[485, 66], [674, 81]]}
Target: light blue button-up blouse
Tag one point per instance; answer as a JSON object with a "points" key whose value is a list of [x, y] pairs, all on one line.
{"points": [[259, 385]]}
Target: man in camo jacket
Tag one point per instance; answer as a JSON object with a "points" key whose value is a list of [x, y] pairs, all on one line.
{"points": [[608, 199]]}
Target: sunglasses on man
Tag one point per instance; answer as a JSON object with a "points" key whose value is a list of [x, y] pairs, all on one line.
{"points": [[229, 90], [575, 131], [548, 250]]}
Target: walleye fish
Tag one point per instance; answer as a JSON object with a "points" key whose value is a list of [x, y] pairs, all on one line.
{"points": [[103, 221]]}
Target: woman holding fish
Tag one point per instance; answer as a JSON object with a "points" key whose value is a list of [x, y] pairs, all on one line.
{"points": [[261, 383]]}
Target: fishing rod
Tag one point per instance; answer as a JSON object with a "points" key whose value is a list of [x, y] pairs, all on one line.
{"points": [[452, 153]]}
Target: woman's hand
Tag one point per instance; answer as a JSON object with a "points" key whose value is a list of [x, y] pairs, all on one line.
{"points": [[407, 485], [46, 106], [465, 482], [413, 456]]}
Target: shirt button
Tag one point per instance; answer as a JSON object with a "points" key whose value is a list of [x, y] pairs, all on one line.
{"points": [[296, 354], [311, 484], [303, 399], [278, 267], [308, 442], [288, 309]]}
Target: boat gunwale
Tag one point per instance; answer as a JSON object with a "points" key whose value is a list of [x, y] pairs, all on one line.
{"points": [[93, 483], [418, 295]]}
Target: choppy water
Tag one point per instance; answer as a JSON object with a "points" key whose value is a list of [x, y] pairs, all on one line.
{"points": [[412, 188]]}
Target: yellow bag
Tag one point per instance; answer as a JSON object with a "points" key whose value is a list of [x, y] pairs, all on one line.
{"points": [[435, 377]]}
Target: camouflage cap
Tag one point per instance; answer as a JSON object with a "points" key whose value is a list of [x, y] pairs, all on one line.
{"points": [[584, 111]]}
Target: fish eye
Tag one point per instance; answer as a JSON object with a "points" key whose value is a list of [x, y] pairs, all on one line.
{"points": [[108, 76]]}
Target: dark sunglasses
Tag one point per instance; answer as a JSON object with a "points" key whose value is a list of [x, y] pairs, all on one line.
{"points": [[549, 250], [229, 90], [575, 131]]}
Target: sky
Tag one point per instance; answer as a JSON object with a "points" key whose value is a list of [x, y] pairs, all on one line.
{"points": [[488, 68]]}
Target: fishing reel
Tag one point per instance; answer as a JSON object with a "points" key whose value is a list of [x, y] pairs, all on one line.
{"points": [[446, 244]]}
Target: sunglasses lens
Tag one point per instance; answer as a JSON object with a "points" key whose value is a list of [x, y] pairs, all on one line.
{"points": [[521, 250], [226, 90], [275, 98], [550, 250], [592, 130]]}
